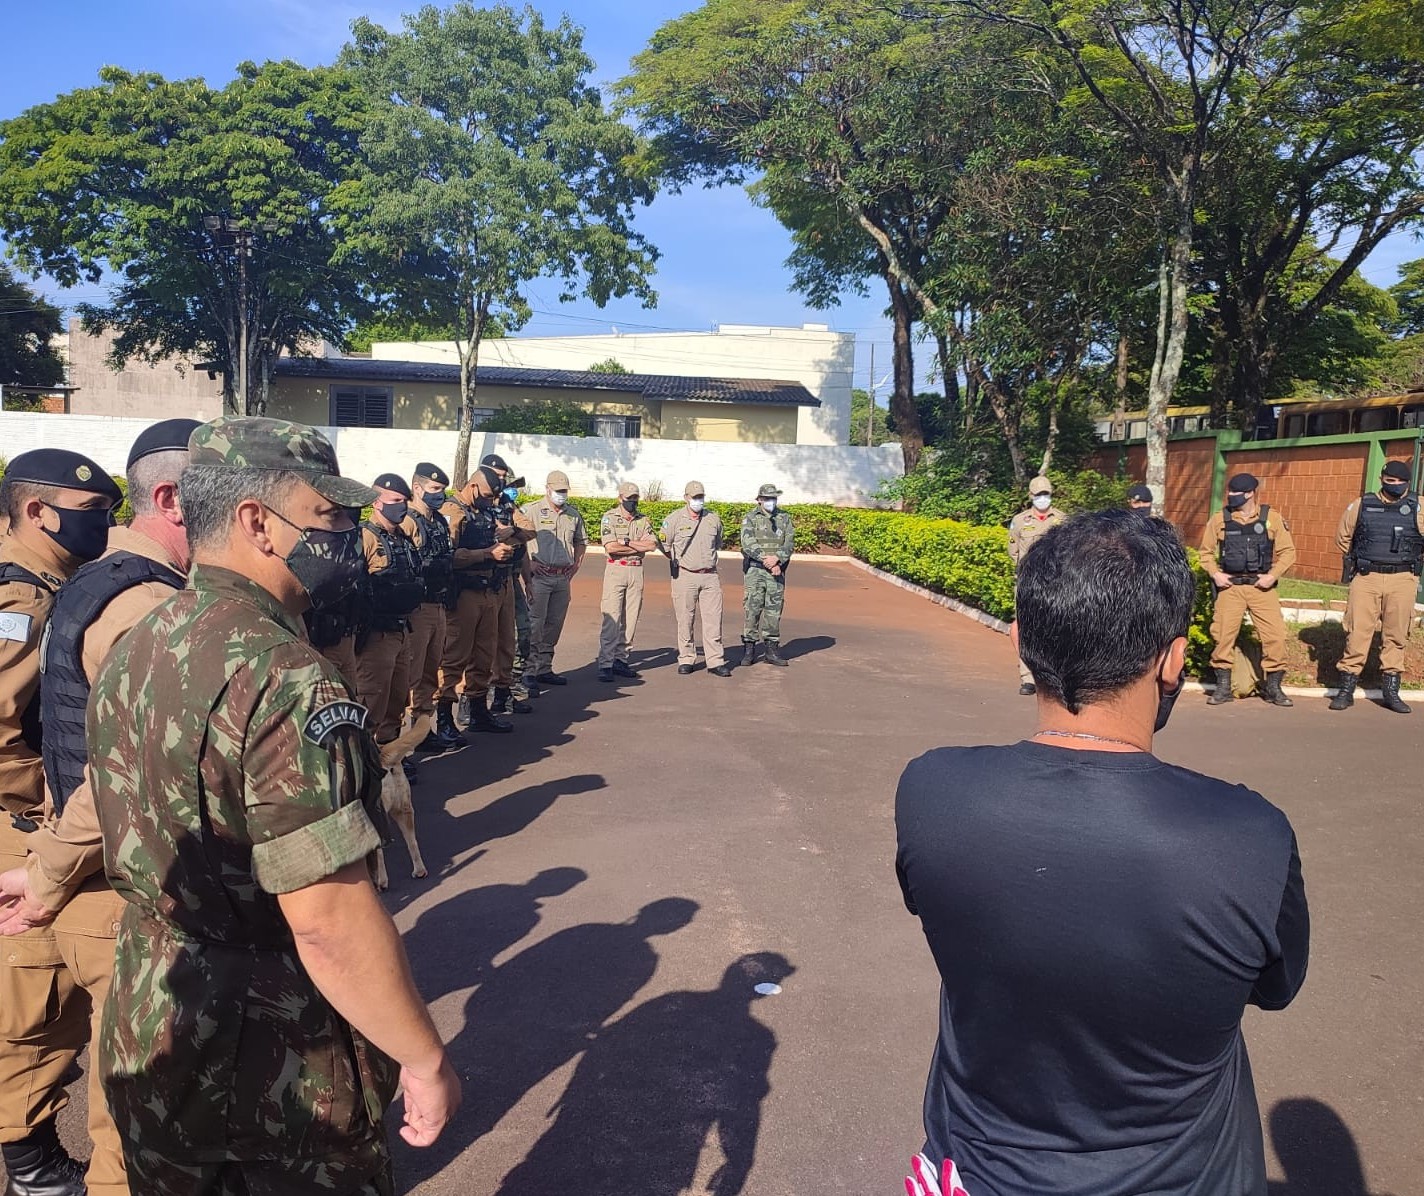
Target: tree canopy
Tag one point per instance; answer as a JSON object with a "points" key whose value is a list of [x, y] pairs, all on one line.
{"points": [[28, 326]]}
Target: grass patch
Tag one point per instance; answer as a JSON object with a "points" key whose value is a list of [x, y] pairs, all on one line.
{"points": [[1291, 588]]}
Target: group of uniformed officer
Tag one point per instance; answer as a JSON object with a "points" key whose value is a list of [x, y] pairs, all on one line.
{"points": [[1247, 548]]}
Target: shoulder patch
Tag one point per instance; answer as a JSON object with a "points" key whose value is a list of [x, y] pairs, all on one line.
{"points": [[332, 717], [15, 628]]}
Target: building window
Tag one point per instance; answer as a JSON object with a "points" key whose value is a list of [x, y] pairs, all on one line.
{"points": [[360, 407], [480, 415], [616, 427]]}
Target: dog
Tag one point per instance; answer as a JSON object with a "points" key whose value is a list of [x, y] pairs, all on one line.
{"points": [[395, 799]]}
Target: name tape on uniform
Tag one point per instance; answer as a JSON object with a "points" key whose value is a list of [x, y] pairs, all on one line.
{"points": [[14, 627], [332, 717]]}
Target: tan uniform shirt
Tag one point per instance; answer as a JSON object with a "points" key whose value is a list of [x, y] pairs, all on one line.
{"points": [[24, 610], [620, 528], [377, 561], [1345, 533], [1027, 527], [67, 851], [693, 541], [1282, 542], [560, 538]]}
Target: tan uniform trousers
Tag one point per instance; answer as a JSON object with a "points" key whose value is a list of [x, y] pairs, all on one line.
{"points": [[1383, 601], [427, 646], [548, 607], [44, 1016], [504, 650], [85, 932], [1265, 608], [471, 637], [621, 605], [343, 655], [383, 681], [694, 594]]}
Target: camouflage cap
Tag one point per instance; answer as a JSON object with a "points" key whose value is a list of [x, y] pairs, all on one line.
{"points": [[768, 491], [249, 442]]}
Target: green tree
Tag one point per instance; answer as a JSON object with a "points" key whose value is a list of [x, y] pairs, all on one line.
{"points": [[868, 425], [1408, 295], [27, 327], [387, 328], [492, 162], [115, 181], [547, 417], [609, 365]]}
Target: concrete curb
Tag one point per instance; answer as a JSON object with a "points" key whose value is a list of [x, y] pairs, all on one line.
{"points": [[960, 608], [732, 554]]}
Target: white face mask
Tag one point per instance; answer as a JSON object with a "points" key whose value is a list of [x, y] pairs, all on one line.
{"points": [[696, 503], [558, 497], [768, 505], [1041, 502]]}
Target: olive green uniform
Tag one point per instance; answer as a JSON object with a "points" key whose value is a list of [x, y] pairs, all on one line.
{"points": [[560, 539], [693, 542], [1025, 530], [230, 764], [622, 600]]}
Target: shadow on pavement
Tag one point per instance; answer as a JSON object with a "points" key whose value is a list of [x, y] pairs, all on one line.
{"points": [[535, 1013], [653, 1087], [454, 945], [1316, 1151], [794, 649]]}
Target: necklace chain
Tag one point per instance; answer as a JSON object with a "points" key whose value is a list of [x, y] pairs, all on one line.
{"points": [[1094, 738]]}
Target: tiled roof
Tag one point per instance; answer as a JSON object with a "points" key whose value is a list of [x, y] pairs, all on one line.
{"points": [[650, 386]]}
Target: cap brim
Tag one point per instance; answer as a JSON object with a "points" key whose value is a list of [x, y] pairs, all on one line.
{"points": [[344, 492]]}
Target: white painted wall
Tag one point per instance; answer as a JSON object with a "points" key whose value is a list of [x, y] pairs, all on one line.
{"points": [[846, 476], [822, 361]]}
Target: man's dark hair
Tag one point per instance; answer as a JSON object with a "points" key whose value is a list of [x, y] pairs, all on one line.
{"points": [[14, 495], [209, 494], [1099, 598]]}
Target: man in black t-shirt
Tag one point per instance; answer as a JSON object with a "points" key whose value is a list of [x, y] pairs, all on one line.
{"points": [[1100, 919]]}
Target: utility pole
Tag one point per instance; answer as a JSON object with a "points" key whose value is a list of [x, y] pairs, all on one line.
{"points": [[870, 421], [238, 235]]}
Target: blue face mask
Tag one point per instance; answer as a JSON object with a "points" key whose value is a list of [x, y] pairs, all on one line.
{"points": [[511, 492]]}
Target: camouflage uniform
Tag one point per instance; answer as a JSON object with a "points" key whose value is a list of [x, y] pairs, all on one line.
{"points": [[230, 764], [763, 595]]}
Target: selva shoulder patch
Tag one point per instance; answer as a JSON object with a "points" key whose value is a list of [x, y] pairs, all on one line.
{"points": [[333, 717]]}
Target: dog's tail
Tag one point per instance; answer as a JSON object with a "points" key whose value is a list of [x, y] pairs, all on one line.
{"points": [[398, 749]]}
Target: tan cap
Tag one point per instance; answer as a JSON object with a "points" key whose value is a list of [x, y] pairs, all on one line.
{"points": [[627, 489], [1040, 485], [694, 490], [558, 480]]}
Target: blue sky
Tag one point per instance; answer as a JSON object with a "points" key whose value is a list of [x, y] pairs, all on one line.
{"points": [[722, 257]]}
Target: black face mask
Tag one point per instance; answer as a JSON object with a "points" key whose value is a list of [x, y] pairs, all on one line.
{"points": [[395, 511], [1235, 501], [1166, 700], [327, 564], [1394, 489], [83, 533], [630, 505]]}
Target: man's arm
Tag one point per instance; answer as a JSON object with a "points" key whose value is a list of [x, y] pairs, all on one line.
{"points": [[1345, 533], [1211, 540], [1283, 555], [1282, 978], [1015, 541], [580, 540], [353, 953]]}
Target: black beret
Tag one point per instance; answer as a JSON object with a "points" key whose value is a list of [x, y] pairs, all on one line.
{"points": [[60, 467], [495, 461], [393, 481], [424, 469], [1242, 483], [1397, 470], [166, 436], [1140, 494]]}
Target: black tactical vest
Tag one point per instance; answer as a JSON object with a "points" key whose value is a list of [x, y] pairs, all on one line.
{"points": [[477, 532], [64, 692], [398, 588], [436, 552], [1246, 547], [1387, 534], [30, 716]]}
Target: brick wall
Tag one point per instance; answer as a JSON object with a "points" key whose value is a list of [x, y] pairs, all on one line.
{"points": [[1189, 473], [1311, 485]]}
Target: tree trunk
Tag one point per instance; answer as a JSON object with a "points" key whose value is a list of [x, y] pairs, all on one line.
{"points": [[902, 397], [1172, 282], [1052, 441], [949, 376], [1124, 357], [469, 384], [1008, 412]]}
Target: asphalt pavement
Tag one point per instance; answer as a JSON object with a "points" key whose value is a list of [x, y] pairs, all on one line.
{"points": [[611, 882]]}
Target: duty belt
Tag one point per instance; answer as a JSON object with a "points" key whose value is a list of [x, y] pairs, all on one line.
{"points": [[625, 560], [686, 569], [553, 570], [1366, 568]]}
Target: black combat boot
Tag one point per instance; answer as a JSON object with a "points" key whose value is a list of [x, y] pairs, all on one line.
{"points": [[40, 1166], [445, 727], [773, 654], [749, 653], [464, 716], [482, 720], [506, 701], [1391, 699], [1345, 696], [1271, 689], [1222, 692]]}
